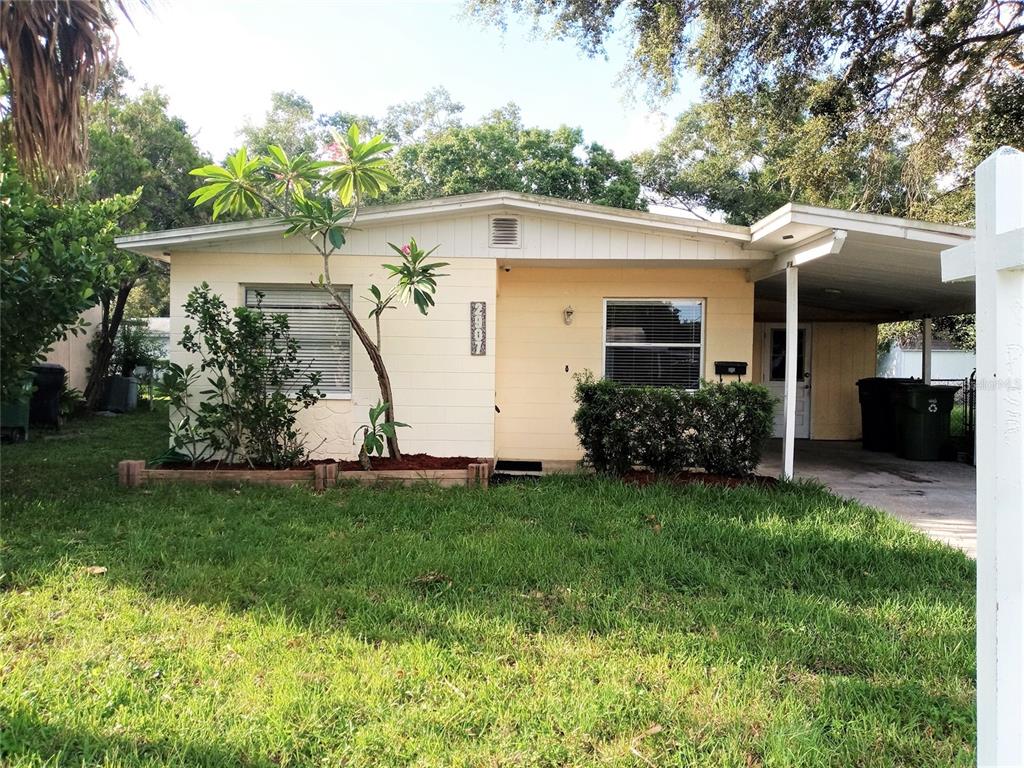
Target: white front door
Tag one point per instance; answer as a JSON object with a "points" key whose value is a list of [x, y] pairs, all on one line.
{"points": [[774, 372]]}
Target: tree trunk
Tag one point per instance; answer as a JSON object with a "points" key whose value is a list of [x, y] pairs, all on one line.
{"points": [[383, 380], [103, 350]]}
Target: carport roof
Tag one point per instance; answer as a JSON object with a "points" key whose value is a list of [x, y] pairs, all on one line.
{"points": [[877, 268]]}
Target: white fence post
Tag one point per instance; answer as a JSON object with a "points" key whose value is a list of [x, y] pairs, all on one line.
{"points": [[998, 270]]}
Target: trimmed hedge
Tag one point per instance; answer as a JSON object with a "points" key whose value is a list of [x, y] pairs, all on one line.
{"points": [[720, 428]]}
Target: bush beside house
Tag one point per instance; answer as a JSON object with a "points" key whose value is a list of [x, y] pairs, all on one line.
{"points": [[720, 428]]}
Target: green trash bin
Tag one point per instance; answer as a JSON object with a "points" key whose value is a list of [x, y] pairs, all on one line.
{"points": [[878, 398], [923, 420], [14, 413]]}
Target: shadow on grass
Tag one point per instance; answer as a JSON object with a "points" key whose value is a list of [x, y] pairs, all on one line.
{"points": [[27, 739]]}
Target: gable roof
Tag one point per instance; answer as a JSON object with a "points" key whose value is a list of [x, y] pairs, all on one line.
{"points": [[778, 231], [504, 201]]}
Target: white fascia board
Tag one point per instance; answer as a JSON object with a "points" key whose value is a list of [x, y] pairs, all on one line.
{"points": [[958, 263], [828, 244], [773, 222], [875, 224], [149, 241]]}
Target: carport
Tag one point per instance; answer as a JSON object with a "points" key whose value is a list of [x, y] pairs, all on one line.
{"points": [[843, 267]]}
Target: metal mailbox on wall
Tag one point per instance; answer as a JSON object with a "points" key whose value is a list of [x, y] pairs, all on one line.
{"points": [[478, 327]]}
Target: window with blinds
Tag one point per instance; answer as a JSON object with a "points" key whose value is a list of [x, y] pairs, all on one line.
{"points": [[318, 324], [655, 342]]}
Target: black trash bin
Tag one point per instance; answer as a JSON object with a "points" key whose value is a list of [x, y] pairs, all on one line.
{"points": [[878, 398], [923, 420], [44, 408]]}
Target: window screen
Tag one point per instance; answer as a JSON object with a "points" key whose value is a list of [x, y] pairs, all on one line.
{"points": [[320, 327], [654, 342]]}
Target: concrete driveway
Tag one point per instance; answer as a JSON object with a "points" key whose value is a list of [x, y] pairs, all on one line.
{"points": [[936, 497]]}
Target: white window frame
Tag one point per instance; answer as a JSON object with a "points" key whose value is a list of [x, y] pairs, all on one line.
{"points": [[702, 303], [328, 394]]}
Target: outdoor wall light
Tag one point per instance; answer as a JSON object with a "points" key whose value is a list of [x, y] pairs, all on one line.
{"points": [[567, 314]]}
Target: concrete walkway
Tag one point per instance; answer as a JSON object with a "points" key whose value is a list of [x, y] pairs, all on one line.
{"points": [[936, 497]]}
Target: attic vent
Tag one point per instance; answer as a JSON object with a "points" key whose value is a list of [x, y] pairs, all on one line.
{"points": [[504, 231]]}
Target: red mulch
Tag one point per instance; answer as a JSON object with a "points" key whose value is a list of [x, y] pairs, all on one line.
{"points": [[409, 461], [641, 477]]}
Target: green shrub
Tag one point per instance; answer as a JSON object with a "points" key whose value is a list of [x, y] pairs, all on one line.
{"points": [[604, 416], [728, 424], [256, 385], [720, 428]]}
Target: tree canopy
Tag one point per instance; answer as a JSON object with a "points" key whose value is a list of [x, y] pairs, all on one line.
{"points": [[134, 142], [737, 157], [437, 154], [499, 152], [744, 156], [875, 84], [879, 56], [292, 124]]}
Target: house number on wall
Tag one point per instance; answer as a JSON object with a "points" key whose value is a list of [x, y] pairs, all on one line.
{"points": [[478, 327]]}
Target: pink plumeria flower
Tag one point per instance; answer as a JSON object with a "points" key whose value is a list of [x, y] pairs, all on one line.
{"points": [[406, 250]]}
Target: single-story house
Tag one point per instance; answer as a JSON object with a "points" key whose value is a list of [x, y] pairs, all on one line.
{"points": [[541, 289]]}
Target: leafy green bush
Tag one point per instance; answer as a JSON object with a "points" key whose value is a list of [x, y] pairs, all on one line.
{"points": [[135, 346], [52, 260], [720, 428], [256, 381], [600, 426], [728, 424]]}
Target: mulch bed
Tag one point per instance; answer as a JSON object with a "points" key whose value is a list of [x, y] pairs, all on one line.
{"points": [[410, 461], [640, 478]]}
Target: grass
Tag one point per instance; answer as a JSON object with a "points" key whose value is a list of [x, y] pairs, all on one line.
{"points": [[956, 421], [573, 622]]}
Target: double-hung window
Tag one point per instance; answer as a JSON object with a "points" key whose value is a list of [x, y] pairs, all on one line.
{"points": [[319, 326], [657, 342]]}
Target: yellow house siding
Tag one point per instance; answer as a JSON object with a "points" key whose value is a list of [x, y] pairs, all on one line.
{"points": [[535, 347], [446, 394], [757, 361], [841, 354]]}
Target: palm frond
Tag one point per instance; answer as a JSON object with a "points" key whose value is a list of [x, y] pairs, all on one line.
{"points": [[54, 53]]}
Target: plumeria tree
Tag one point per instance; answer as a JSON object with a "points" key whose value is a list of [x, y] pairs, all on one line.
{"points": [[320, 200]]}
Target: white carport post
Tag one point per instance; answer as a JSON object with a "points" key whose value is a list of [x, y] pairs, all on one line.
{"points": [[926, 350], [996, 262], [792, 320]]}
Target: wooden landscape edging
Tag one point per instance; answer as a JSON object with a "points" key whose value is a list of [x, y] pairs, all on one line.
{"points": [[133, 474]]}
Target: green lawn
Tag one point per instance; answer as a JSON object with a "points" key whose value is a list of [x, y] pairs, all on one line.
{"points": [[574, 622]]}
